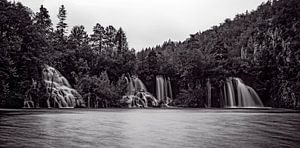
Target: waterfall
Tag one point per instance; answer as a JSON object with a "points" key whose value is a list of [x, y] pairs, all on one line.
{"points": [[230, 92], [134, 85], [170, 88], [137, 94], [59, 90], [163, 89], [130, 86], [139, 85], [238, 94]]}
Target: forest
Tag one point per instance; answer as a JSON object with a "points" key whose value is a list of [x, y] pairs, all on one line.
{"points": [[262, 47]]}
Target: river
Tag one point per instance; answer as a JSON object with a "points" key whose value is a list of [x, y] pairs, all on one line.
{"points": [[150, 128]]}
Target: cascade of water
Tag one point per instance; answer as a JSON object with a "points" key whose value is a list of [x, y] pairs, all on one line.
{"points": [[230, 92], [59, 90], [159, 88], [225, 95], [170, 89], [130, 86], [139, 85], [255, 97], [238, 94], [137, 95], [163, 89]]}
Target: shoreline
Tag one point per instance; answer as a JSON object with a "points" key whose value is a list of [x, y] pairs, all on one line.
{"points": [[203, 110]]}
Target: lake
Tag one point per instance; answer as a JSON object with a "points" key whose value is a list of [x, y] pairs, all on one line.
{"points": [[150, 128]]}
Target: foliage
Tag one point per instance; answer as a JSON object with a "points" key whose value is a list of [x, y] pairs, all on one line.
{"points": [[262, 47], [92, 64]]}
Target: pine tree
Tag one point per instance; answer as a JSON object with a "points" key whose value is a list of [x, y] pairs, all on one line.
{"points": [[110, 35], [121, 41], [20, 54], [43, 24], [61, 26], [59, 41], [97, 38], [42, 20], [78, 36]]}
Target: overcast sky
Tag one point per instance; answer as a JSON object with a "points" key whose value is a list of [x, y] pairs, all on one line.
{"points": [[147, 22]]}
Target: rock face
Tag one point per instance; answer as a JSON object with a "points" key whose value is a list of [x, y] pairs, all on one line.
{"points": [[59, 91]]}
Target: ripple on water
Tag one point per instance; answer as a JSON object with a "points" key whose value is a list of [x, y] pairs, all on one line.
{"points": [[150, 128]]}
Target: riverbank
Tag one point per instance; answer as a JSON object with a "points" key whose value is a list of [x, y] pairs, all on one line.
{"points": [[214, 110]]}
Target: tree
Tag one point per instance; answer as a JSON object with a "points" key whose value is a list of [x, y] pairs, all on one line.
{"points": [[61, 26], [121, 41], [97, 38], [20, 53], [110, 35], [78, 36], [42, 21], [43, 24]]}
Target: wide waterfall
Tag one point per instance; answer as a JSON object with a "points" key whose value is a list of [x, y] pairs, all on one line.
{"points": [[60, 93], [137, 95], [135, 84], [238, 94], [163, 89]]}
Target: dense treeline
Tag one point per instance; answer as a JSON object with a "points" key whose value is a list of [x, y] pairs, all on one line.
{"points": [[94, 64], [261, 47]]}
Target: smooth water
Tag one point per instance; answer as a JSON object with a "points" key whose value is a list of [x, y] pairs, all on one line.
{"points": [[163, 89], [149, 128], [238, 94]]}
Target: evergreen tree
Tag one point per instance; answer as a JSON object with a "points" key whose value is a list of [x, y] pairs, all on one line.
{"points": [[43, 24], [78, 36], [121, 41], [20, 54], [59, 41], [110, 35], [43, 21], [97, 38], [62, 25]]}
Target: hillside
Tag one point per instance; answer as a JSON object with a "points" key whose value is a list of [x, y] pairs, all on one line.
{"points": [[262, 47]]}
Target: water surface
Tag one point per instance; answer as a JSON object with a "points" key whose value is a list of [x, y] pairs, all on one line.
{"points": [[149, 128]]}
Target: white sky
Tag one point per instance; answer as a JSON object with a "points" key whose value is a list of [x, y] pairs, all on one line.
{"points": [[147, 22]]}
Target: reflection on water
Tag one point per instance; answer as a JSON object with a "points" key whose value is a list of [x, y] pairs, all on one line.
{"points": [[149, 128]]}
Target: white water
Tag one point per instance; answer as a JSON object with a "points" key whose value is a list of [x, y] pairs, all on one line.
{"points": [[137, 94], [238, 94], [163, 89], [60, 93]]}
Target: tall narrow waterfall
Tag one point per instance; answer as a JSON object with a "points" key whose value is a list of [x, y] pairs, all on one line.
{"points": [[163, 89], [60, 93], [238, 94]]}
